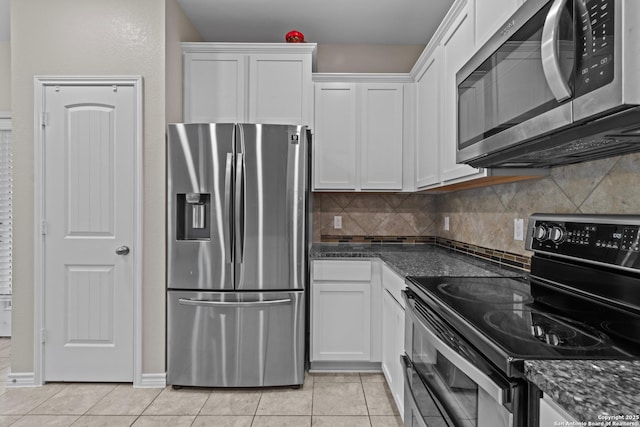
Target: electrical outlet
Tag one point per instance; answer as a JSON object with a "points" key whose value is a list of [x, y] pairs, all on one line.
{"points": [[446, 223], [337, 222], [518, 229]]}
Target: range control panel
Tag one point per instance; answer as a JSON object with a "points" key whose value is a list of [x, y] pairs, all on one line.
{"points": [[608, 239]]}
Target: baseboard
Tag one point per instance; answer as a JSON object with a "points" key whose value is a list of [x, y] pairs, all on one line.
{"points": [[21, 379], [152, 381], [327, 366]]}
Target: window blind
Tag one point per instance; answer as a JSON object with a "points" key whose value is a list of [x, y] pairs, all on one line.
{"points": [[6, 184]]}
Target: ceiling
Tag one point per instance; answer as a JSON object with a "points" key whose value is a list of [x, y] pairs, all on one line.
{"points": [[403, 22]]}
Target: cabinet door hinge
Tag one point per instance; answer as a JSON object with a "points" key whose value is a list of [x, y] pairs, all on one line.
{"points": [[44, 119], [44, 228], [43, 335]]}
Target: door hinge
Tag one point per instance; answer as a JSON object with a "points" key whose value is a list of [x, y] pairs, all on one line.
{"points": [[43, 335], [44, 119], [44, 228]]}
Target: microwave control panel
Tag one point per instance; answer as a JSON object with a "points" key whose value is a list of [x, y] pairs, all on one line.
{"points": [[595, 42]]}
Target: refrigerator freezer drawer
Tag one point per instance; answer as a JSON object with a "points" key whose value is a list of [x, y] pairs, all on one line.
{"points": [[235, 339]]}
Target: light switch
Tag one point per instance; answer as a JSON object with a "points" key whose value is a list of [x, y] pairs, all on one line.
{"points": [[446, 223]]}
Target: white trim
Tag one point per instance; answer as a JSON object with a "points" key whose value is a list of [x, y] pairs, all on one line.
{"points": [[249, 48], [447, 21], [152, 381], [21, 379], [40, 82]]}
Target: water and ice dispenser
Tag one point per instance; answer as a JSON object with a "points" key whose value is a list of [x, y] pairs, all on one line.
{"points": [[193, 216]]}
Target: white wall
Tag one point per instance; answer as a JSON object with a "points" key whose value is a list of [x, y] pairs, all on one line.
{"points": [[179, 29], [5, 76], [89, 37], [363, 58]]}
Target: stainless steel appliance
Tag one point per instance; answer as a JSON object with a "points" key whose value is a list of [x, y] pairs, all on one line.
{"points": [[467, 338], [559, 83], [237, 206]]}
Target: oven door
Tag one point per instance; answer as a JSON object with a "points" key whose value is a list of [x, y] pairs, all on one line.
{"points": [[518, 86], [451, 384]]}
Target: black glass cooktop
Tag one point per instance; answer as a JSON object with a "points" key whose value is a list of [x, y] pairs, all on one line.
{"points": [[502, 318]]}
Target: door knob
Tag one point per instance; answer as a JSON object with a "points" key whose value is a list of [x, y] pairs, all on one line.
{"points": [[122, 250]]}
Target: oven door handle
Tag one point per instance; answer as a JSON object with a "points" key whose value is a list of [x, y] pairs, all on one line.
{"points": [[412, 401], [498, 393]]}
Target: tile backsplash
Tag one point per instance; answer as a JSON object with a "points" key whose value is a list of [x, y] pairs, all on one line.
{"points": [[483, 216]]}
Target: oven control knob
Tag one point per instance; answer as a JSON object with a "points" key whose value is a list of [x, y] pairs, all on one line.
{"points": [[557, 234], [537, 331], [553, 339], [540, 232]]}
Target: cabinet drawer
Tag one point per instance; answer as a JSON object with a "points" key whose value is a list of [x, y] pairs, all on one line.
{"points": [[346, 270], [392, 282]]}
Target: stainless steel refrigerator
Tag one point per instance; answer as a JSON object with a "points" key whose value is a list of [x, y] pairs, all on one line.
{"points": [[237, 241]]}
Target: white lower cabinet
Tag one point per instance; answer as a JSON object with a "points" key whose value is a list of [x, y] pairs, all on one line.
{"points": [[341, 311], [393, 334], [341, 321], [551, 414], [357, 320]]}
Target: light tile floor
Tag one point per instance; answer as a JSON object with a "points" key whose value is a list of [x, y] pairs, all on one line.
{"points": [[332, 400]]}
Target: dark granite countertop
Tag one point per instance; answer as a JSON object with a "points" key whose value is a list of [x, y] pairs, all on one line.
{"points": [[590, 390], [415, 260], [586, 389]]}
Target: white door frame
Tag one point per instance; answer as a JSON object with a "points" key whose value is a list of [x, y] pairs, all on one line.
{"points": [[40, 83]]}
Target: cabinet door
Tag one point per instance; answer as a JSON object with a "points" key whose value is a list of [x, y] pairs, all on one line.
{"points": [[334, 147], [341, 321], [214, 89], [381, 118], [427, 147], [458, 46], [280, 88], [393, 347], [551, 414]]}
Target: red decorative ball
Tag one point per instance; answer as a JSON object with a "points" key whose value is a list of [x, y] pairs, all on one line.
{"points": [[294, 36]]}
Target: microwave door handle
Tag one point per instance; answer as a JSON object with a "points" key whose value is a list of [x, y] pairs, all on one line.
{"points": [[549, 52]]}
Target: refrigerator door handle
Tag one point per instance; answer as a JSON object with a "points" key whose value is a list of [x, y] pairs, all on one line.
{"points": [[228, 230], [239, 213], [248, 304]]}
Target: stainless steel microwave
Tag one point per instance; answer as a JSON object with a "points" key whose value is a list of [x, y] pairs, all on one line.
{"points": [[559, 83]]}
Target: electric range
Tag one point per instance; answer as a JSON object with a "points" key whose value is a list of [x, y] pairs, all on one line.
{"points": [[580, 301]]}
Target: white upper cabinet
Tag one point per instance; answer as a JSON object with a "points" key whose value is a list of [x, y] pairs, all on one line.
{"points": [[280, 88], [243, 82], [334, 144], [491, 14], [458, 44], [358, 135], [214, 87], [427, 143], [381, 136]]}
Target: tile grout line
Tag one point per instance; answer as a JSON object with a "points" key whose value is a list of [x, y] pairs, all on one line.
{"points": [[313, 393], [366, 404]]}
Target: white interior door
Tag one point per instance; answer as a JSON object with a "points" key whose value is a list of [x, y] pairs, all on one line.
{"points": [[89, 213]]}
